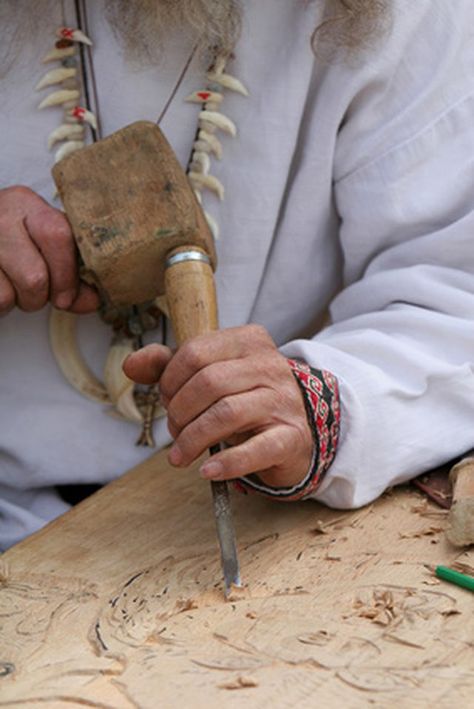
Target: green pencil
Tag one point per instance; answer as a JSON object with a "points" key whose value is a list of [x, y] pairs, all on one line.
{"points": [[443, 572]]}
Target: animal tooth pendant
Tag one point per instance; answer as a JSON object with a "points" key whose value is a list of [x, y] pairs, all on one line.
{"points": [[219, 121], [124, 399], [56, 76], [215, 146], [82, 115], [73, 35], [58, 98], [67, 148], [67, 96], [198, 181], [119, 387], [58, 54], [63, 341], [227, 82], [66, 131], [201, 162], [211, 120]]}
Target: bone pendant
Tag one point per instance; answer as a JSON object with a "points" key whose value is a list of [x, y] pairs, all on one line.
{"points": [[119, 387], [56, 76], [228, 82], [70, 147], [63, 340], [57, 54], [209, 182], [214, 143], [201, 162], [73, 34], [219, 120], [59, 97], [82, 115], [66, 131]]}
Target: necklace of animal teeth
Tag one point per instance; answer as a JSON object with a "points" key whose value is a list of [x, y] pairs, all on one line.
{"points": [[71, 95]]}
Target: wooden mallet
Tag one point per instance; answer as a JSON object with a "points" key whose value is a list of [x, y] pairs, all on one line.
{"points": [[141, 233], [460, 531]]}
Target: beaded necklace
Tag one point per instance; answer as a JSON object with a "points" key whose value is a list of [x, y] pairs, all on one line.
{"points": [[75, 93]]}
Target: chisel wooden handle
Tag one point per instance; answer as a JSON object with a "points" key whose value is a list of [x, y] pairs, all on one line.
{"points": [[190, 293], [460, 531], [191, 297]]}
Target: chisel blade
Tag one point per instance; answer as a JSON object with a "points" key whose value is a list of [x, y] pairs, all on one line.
{"points": [[225, 532]]}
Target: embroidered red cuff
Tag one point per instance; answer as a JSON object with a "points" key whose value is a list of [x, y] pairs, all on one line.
{"points": [[321, 397]]}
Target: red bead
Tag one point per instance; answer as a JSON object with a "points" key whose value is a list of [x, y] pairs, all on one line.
{"points": [[66, 32]]}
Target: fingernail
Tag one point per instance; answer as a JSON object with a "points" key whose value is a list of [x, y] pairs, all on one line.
{"points": [[175, 456], [212, 470], [64, 300]]}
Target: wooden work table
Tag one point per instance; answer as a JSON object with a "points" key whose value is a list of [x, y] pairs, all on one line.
{"points": [[119, 604]]}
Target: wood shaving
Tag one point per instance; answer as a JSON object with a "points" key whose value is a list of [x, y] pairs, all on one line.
{"points": [[332, 557], [380, 609], [402, 640], [337, 523], [240, 682], [426, 510], [237, 593], [320, 528], [425, 532], [187, 604], [251, 614], [321, 637]]}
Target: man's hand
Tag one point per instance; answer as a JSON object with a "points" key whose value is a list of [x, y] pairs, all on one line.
{"points": [[38, 256], [234, 386]]}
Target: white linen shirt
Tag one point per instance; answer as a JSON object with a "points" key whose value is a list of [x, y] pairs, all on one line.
{"points": [[350, 185]]}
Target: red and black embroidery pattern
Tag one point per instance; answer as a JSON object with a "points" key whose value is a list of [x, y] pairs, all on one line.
{"points": [[321, 397]]}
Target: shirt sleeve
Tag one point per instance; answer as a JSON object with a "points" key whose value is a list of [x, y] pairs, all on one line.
{"points": [[401, 342]]}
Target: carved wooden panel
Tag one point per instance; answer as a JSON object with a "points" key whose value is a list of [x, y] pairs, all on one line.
{"points": [[119, 604]]}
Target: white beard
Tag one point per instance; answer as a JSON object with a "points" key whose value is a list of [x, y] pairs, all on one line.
{"points": [[141, 25]]}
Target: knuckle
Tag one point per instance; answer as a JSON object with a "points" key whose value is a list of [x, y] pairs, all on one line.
{"points": [[193, 355], [209, 379], [20, 192], [278, 367], [59, 229], [278, 446], [35, 281], [225, 411], [259, 333], [15, 202]]}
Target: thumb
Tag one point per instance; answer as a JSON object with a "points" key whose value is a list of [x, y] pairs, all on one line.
{"points": [[145, 366]]}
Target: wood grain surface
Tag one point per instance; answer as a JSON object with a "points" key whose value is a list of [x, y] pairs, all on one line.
{"points": [[119, 604]]}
